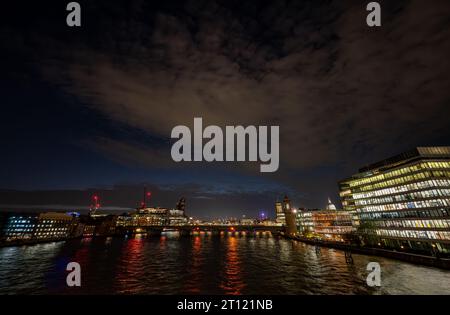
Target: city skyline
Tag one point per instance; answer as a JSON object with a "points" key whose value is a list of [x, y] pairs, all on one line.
{"points": [[91, 109]]}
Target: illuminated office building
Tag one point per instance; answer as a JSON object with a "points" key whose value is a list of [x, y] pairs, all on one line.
{"points": [[150, 216], [55, 225], [403, 202], [177, 216], [48, 225], [157, 216], [305, 224], [19, 226]]}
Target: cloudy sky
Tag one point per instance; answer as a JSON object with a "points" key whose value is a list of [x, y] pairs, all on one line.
{"points": [[92, 108]]}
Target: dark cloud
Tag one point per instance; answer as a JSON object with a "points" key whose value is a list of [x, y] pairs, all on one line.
{"points": [[343, 94]]}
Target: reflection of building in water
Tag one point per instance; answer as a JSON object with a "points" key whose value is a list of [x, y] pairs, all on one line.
{"points": [[403, 202], [232, 282]]}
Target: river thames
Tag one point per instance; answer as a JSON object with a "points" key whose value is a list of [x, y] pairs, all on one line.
{"points": [[205, 264]]}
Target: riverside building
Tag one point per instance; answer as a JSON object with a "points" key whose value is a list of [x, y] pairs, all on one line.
{"points": [[19, 226], [54, 225], [280, 217], [329, 224], [403, 202]]}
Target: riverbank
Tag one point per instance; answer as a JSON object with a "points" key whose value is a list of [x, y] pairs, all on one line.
{"points": [[430, 261]]}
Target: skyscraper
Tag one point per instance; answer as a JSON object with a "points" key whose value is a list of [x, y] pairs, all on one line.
{"points": [[403, 202]]}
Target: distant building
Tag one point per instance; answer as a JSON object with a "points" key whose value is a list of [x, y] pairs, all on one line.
{"points": [[178, 216], [54, 225], [329, 224], [35, 226], [150, 216], [304, 221], [107, 226], [124, 220], [247, 221], [330, 205], [403, 202], [19, 226], [333, 225], [279, 213]]}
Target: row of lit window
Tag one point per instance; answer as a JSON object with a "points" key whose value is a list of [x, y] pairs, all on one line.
{"points": [[399, 172], [333, 230], [407, 205], [56, 221], [406, 197], [19, 221], [437, 235], [441, 224], [331, 217], [308, 223], [12, 231], [403, 188], [19, 228], [15, 234], [333, 223], [403, 180], [435, 213], [52, 233]]}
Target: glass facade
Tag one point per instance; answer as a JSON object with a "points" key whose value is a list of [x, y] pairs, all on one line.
{"points": [[403, 202]]}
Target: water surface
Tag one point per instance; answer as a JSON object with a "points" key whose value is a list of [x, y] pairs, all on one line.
{"points": [[205, 264]]}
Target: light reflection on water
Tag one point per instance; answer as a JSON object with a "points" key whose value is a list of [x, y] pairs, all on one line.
{"points": [[205, 264]]}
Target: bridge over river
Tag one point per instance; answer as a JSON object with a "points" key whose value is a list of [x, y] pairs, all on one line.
{"points": [[191, 229]]}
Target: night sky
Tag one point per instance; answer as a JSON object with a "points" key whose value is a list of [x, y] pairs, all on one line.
{"points": [[91, 109]]}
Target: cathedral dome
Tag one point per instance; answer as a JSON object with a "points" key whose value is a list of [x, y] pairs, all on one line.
{"points": [[330, 205]]}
